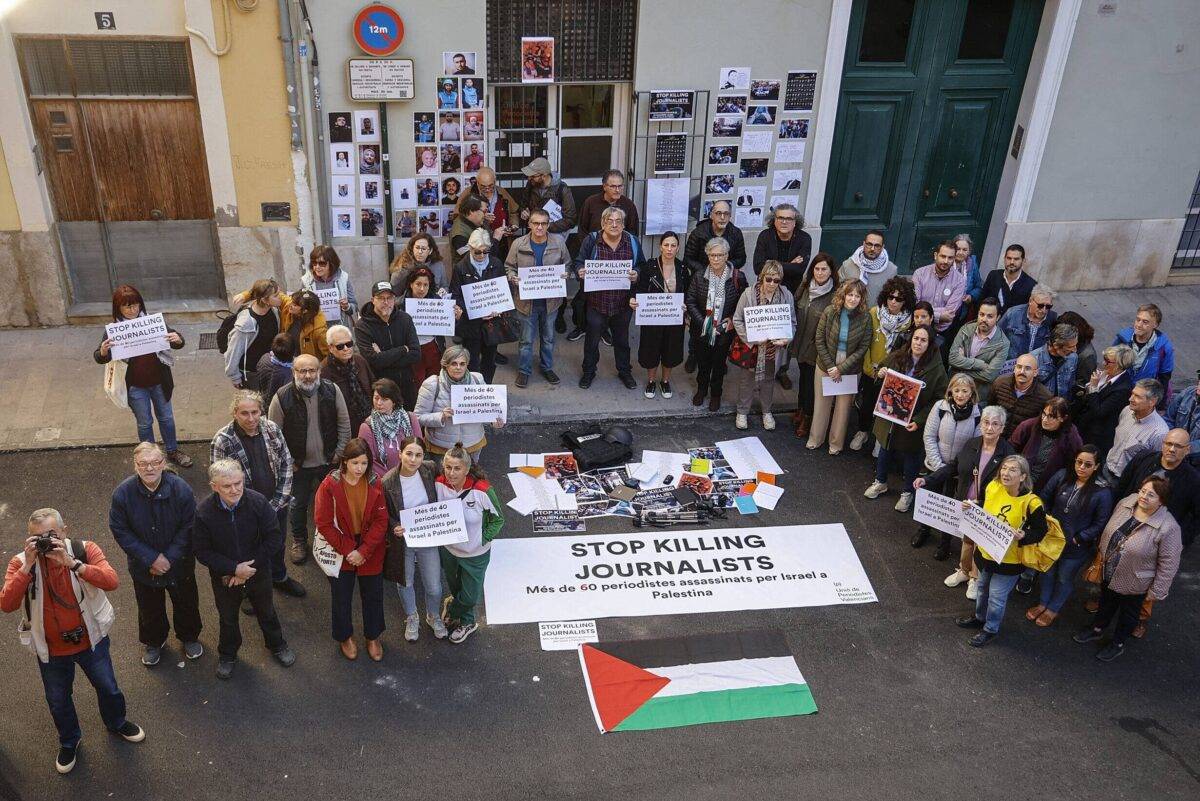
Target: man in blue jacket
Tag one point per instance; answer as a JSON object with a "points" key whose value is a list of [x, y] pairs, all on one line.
{"points": [[151, 519], [1153, 353], [1028, 327]]}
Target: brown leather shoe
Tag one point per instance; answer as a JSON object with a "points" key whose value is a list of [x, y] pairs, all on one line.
{"points": [[801, 421], [1092, 605], [375, 650], [698, 398], [349, 649], [714, 403], [1139, 631], [1034, 612], [1046, 618]]}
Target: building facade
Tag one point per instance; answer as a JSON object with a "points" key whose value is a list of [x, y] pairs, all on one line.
{"points": [[1065, 125]]}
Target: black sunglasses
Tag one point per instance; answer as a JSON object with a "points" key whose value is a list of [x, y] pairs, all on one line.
{"points": [[343, 346]]}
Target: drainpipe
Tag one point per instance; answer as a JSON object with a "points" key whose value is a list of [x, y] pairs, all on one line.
{"points": [[318, 153], [304, 221]]}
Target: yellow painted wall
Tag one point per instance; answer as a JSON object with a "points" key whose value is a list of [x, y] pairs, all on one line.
{"points": [[10, 219], [252, 81]]}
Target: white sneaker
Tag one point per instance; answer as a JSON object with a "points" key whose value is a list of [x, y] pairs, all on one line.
{"points": [[859, 440], [412, 628], [973, 590], [768, 421], [876, 489], [741, 422], [905, 502], [439, 628], [956, 578]]}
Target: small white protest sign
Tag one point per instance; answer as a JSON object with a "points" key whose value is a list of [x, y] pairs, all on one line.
{"points": [[432, 317], [547, 281], [137, 337], [599, 276], [331, 304], [938, 511], [567, 635], [770, 321], [478, 403], [492, 296], [986, 531], [434, 524], [659, 308], [845, 385]]}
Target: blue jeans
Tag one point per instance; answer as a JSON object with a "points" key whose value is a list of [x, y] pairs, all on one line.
{"points": [[537, 321], [140, 401], [1059, 581], [994, 589], [58, 677], [910, 462], [430, 563], [370, 592]]}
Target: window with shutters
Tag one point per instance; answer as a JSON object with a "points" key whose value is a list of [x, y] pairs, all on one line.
{"points": [[593, 39]]}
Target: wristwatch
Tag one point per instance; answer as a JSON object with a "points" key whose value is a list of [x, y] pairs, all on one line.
{"points": [[75, 567]]}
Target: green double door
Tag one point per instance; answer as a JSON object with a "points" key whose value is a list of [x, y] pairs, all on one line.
{"points": [[929, 94]]}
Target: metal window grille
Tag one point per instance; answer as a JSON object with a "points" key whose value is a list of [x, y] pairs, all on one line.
{"points": [[1188, 252], [106, 68], [593, 39]]}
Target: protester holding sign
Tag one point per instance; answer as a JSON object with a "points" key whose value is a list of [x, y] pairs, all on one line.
{"points": [[951, 424], [465, 563], [351, 514], [756, 378], [146, 379], [538, 248], [421, 284], [918, 360], [710, 301], [388, 426], [661, 346], [254, 327], [842, 338], [477, 336], [388, 341], [301, 318], [411, 484], [325, 272], [1010, 499], [434, 410], [608, 309]]}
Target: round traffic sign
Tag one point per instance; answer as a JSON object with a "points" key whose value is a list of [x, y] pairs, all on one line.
{"points": [[378, 30]]}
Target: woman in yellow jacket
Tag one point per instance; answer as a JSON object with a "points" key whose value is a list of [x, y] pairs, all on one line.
{"points": [[300, 316], [1010, 498]]}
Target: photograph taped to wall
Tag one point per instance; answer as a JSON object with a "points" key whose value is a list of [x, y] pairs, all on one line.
{"points": [[447, 222], [368, 159], [670, 152], [793, 129], [447, 93], [473, 92], [372, 222], [343, 220], [449, 126], [763, 90], [424, 126], [727, 125], [451, 190], [405, 225], [430, 222], [341, 159], [719, 184], [537, 59], [734, 78], [451, 158], [753, 168], [427, 192], [341, 189], [370, 191], [472, 126], [404, 193], [706, 207], [731, 104], [458, 62], [341, 126], [723, 154], [425, 160], [800, 91], [472, 158], [760, 115], [366, 126], [786, 180], [751, 195], [672, 104]]}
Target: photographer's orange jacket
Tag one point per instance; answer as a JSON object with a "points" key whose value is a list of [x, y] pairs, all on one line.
{"points": [[97, 572]]}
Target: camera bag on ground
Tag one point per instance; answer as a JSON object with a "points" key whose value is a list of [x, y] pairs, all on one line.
{"points": [[593, 448]]}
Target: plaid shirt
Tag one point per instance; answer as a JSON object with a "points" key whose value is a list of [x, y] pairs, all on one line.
{"points": [[226, 445], [611, 301]]}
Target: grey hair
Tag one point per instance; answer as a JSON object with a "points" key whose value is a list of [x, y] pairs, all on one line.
{"points": [[612, 211], [38, 515], [1063, 333], [479, 238], [143, 447], [962, 378], [453, 352], [716, 243], [964, 238], [1043, 291], [1023, 464], [1121, 354], [224, 468], [1151, 387], [243, 395], [789, 207], [996, 413], [339, 329]]}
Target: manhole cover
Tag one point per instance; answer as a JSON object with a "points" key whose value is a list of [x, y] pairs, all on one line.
{"points": [[208, 341]]}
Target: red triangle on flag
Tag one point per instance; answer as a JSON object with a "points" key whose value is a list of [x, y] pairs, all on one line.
{"points": [[618, 688]]}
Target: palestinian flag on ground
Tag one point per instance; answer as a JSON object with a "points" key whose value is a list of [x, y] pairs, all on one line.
{"points": [[682, 681]]}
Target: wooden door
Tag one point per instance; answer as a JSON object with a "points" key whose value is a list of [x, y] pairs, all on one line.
{"points": [[929, 93]]}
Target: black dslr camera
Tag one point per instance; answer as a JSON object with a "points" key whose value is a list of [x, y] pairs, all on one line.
{"points": [[45, 544], [74, 636]]}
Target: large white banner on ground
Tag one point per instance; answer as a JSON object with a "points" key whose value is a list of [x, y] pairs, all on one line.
{"points": [[626, 575]]}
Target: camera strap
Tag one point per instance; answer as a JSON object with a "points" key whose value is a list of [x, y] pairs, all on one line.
{"points": [[31, 590]]}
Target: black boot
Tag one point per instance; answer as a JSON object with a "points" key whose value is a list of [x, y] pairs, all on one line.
{"points": [[920, 537], [942, 552]]}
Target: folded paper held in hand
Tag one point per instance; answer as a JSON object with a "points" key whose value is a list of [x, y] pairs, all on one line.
{"points": [[432, 317], [772, 321], [606, 275], [478, 403], [137, 337], [547, 281], [434, 524], [659, 308], [492, 296]]}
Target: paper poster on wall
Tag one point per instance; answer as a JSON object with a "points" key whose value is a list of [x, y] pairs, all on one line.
{"points": [[341, 159], [369, 192], [751, 195], [371, 222], [670, 152], [789, 151], [424, 126], [472, 126], [786, 180], [727, 126], [482, 298], [458, 62], [762, 91], [343, 220], [405, 224], [451, 158], [432, 317], [137, 337], [430, 222], [731, 104], [449, 126], [473, 93], [779, 200], [753, 168], [793, 129], [757, 142], [760, 115], [719, 184], [801, 88], [404, 193], [748, 217], [723, 154], [366, 126], [368, 159], [734, 78], [479, 403], [341, 189], [671, 104], [341, 126], [537, 59], [428, 192], [667, 205]]}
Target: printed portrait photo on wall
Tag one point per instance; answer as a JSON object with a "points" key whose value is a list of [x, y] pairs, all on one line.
{"points": [[451, 158], [427, 161], [447, 93], [450, 129], [473, 126], [458, 62], [473, 159], [423, 127], [472, 92], [366, 126], [340, 129], [368, 159], [341, 160], [427, 192]]}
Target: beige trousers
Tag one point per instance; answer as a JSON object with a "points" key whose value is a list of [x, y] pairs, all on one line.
{"points": [[840, 406]]}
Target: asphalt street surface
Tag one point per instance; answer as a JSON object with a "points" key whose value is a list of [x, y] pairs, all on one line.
{"points": [[907, 709]]}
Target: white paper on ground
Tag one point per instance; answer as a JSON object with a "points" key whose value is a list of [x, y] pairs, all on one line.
{"points": [[767, 495], [747, 456], [567, 635]]}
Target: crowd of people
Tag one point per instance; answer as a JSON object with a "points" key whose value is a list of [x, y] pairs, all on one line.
{"points": [[341, 412]]}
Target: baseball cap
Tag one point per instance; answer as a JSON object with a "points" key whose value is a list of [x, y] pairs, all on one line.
{"points": [[379, 287], [538, 166]]}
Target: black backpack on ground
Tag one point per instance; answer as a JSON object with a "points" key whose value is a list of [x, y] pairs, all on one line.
{"points": [[592, 448]]}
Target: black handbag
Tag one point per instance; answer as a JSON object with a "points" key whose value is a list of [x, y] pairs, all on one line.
{"points": [[501, 330]]}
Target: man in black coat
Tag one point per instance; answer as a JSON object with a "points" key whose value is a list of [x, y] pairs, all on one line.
{"points": [[785, 242], [1011, 286], [387, 339], [234, 535]]}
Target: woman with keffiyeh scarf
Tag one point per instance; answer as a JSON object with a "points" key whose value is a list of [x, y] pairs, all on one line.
{"points": [[710, 302], [759, 380], [388, 426], [891, 323]]}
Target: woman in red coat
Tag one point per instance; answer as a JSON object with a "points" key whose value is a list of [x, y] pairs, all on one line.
{"points": [[351, 514]]}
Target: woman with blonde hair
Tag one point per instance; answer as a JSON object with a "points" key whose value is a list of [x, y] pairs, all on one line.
{"points": [[843, 336], [758, 379], [951, 424]]}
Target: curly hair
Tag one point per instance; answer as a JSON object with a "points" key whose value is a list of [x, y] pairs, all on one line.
{"points": [[904, 287]]}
